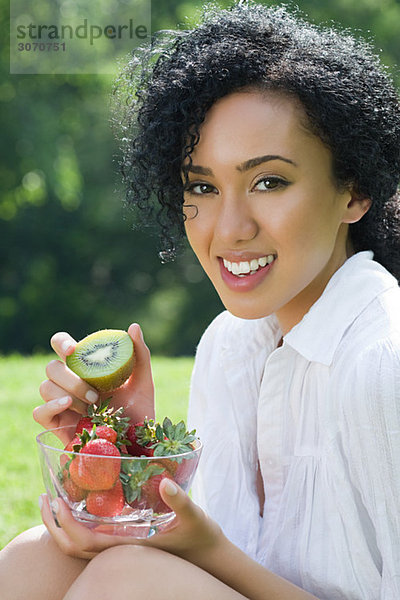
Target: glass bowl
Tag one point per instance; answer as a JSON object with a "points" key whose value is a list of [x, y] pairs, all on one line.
{"points": [[130, 504]]}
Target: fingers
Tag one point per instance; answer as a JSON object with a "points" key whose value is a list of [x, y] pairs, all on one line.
{"points": [[74, 538], [58, 373], [142, 353], [139, 389], [61, 537], [51, 391], [63, 344], [177, 499], [48, 414], [63, 382]]}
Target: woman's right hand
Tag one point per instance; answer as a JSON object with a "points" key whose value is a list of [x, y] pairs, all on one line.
{"points": [[66, 396]]}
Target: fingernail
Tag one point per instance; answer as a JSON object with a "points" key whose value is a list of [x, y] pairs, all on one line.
{"points": [[170, 488], [91, 396], [40, 501], [54, 505], [63, 401], [66, 347]]}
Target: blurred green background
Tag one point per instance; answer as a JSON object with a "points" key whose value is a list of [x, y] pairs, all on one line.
{"points": [[70, 258]]}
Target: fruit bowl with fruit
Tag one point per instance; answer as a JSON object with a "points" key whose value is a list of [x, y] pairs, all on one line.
{"points": [[108, 471]]}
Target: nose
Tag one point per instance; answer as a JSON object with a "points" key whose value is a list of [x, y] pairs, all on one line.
{"points": [[235, 221]]}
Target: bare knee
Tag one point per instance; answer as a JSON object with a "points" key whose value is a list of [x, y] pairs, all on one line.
{"points": [[125, 564], [31, 566], [15, 561], [127, 559], [20, 548], [138, 558]]}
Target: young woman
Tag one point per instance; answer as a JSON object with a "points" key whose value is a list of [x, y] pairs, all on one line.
{"points": [[274, 145]]}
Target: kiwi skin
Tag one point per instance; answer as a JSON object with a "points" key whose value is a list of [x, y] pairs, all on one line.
{"points": [[105, 378]]}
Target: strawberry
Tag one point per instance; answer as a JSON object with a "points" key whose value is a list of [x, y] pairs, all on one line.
{"points": [[74, 443], [96, 472], [106, 503], [74, 493], [84, 423], [151, 494], [174, 440], [102, 416], [141, 481], [181, 468], [141, 436], [106, 433]]}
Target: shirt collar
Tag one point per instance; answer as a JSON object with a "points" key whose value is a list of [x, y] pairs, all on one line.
{"points": [[352, 287]]}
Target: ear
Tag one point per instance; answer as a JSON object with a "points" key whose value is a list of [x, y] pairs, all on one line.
{"points": [[356, 208]]}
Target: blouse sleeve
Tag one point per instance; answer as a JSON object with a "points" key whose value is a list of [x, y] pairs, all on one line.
{"points": [[222, 409], [371, 443]]}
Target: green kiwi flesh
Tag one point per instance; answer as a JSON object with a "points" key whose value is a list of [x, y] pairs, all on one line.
{"points": [[104, 359]]}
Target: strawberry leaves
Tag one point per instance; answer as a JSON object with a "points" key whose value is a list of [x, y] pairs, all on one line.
{"points": [[173, 439], [134, 475], [104, 415]]}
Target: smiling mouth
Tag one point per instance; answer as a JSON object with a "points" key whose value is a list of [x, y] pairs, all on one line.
{"points": [[245, 268]]}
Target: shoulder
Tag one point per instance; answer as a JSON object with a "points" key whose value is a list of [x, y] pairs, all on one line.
{"points": [[369, 384], [366, 367], [375, 332]]}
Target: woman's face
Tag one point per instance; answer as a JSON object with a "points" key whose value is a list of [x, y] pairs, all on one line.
{"points": [[270, 226]]}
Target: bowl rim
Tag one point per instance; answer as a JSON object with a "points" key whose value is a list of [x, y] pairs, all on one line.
{"points": [[41, 444]]}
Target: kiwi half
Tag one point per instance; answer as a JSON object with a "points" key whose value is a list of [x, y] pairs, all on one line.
{"points": [[104, 359]]}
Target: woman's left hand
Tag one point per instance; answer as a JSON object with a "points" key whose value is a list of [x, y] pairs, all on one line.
{"points": [[191, 535]]}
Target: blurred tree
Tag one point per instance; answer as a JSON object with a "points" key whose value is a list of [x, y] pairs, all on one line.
{"points": [[69, 257]]}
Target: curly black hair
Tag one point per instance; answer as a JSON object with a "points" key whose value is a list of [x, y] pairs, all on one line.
{"points": [[349, 98]]}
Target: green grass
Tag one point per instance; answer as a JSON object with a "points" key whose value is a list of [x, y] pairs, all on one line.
{"points": [[20, 477]]}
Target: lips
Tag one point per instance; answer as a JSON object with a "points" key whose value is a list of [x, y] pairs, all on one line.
{"points": [[244, 267], [242, 281]]}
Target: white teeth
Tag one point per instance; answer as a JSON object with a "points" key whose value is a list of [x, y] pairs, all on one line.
{"points": [[227, 264], [235, 268], [242, 268], [263, 261], [254, 264]]}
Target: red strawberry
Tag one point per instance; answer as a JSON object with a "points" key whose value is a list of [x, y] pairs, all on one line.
{"points": [[106, 503], [101, 416], [151, 495], [76, 441], [141, 436], [106, 433], [173, 440], [74, 493], [69, 448], [180, 468], [96, 472], [84, 423]]}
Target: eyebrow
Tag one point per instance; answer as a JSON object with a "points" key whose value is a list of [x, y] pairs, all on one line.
{"points": [[244, 166]]}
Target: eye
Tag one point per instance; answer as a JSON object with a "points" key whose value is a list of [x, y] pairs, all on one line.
{"points": [[270, 183], [199, 189]]}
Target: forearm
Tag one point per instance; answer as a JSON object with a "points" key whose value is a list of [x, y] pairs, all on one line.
{"points": [[232, 566]]}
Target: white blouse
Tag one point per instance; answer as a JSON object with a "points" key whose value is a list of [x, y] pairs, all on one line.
{"points": [[321, 414]]}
